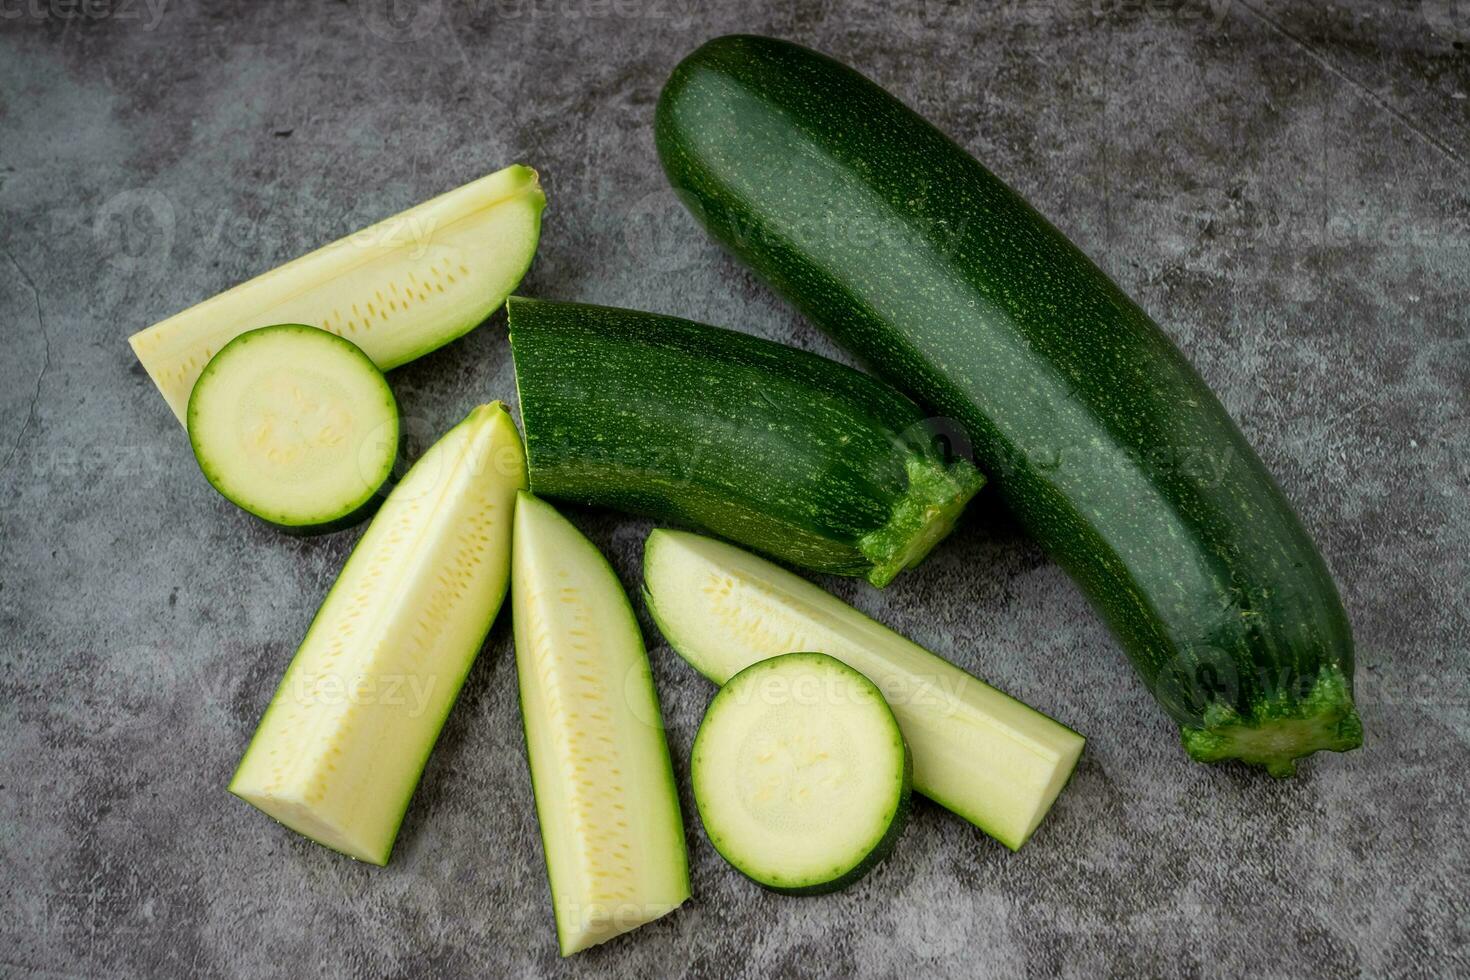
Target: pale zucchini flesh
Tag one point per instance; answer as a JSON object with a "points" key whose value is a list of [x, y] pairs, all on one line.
{"points": [[296, 426], [979, 753], [604, 785], [398, 289], [801, 774], [339, 751]]}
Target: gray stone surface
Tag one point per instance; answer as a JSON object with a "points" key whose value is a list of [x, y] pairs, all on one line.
{"points": [[1284, 186]]}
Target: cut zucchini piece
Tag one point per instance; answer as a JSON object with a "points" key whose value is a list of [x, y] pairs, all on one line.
{"points": [[977, 752], [801, 774], [340, 749], [296, 426], [780, 450], [398, 289], [605, 797]]}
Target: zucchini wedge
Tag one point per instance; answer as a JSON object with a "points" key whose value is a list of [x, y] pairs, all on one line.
{"points": [[339, 751], [609, 813], [985, 756], [776, 448], [398, 289], [1101, 438], [801, 774]]}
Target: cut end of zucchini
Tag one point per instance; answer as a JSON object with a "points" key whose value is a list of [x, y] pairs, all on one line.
{"points": [[299, 814], [296, 426], [801, 774], [1281, 729], [936, 497]]}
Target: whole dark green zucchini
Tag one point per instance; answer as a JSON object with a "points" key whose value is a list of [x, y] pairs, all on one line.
{"points": [[1100, 436], [772, 447]]}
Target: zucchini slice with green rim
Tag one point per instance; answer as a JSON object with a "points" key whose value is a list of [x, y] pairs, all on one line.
{"points": [[978, 753], [398, 289], [296, 426], [339, 751], [801, 774], [779, 449], [605, 798], [1101, 438]]}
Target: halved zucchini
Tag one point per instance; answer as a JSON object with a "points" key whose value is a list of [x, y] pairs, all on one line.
{"points": [[610, 825], [781, 450], [296, 426], [398, 289], [801, 774], [340, 749]]}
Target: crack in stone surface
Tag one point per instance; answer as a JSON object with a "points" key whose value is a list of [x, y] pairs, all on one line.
{"points": [[1413, 125], [45, 362]]}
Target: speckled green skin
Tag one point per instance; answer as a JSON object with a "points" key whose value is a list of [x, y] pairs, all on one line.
{"points": [[788, 453], [1101, 438]]}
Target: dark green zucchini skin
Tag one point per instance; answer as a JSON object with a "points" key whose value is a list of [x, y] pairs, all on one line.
{"points": [[775, 448], [1100, 436]]}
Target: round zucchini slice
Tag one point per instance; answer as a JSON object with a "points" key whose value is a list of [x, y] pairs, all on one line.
{"points": [[801, 774], [296, 426]]}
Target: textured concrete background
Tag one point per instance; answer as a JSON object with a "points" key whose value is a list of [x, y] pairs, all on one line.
{"points": [[1284, 186]]}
